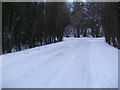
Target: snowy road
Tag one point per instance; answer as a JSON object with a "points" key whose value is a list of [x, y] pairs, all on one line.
{"points": [[73, 63]]}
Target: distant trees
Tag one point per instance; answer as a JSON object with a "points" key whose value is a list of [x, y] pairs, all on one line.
{"points": [[87, 16], [30, 24], [99, 19]]}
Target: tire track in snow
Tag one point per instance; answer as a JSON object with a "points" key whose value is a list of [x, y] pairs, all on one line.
{"points": [[71, 63]]}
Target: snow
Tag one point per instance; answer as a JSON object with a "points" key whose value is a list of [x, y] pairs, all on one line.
{"points": [[72, 63], [1, 72]]}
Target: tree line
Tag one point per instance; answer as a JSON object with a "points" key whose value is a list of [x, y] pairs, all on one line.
{"points": [[30, 24], [100, 17], [110, 22]]}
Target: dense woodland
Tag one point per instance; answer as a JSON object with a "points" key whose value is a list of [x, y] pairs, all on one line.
{"points": [[30, 24]]}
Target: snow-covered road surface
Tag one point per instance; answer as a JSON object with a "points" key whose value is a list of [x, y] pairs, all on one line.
{"points": [[72, 63]]}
